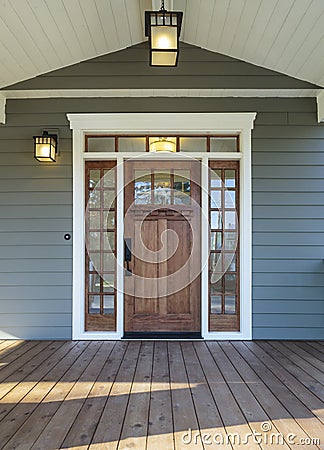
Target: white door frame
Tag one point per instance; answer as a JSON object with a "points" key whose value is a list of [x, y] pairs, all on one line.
{"points": [[161, 123]]}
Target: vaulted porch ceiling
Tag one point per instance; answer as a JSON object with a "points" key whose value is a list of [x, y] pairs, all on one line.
{"points": [[38, 36]]}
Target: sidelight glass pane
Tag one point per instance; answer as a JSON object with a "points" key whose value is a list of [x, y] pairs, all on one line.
{"points": [[230, 240], [95, 260], [94, 304], [94, 240], [230, 180], [230, 199], [109, 178], [109, 220], [216, 220], [215, 178], [94, 220], [230, 220], [223, 144], [216, 304], [109, 198], [132, 144], [216, 240], [101, 144], [216, 263], [230, 283], [109, 262], [94, 177], [109, 282], [109, 240], [230, 262], [216, 199], [109, 304], [230, 304], [94, 282]]}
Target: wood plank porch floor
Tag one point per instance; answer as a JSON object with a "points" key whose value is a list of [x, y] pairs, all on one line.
{"points": [[148, 395]]}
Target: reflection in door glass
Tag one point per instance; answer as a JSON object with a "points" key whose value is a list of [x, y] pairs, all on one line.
{"points": [[142, 187], [162, 188], [181, 186]]}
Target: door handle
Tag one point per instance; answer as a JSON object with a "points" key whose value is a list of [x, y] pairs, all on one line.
{"points": [[128, 254]]}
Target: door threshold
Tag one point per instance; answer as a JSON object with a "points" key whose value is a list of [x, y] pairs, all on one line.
{"points": [[162, 335]]}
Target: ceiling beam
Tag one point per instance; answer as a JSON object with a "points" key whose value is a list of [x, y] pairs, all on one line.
{"points": [[2, 109], [320, 106]]}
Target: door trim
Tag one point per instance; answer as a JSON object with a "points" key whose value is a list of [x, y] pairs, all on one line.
{"points": [[179, 123]]}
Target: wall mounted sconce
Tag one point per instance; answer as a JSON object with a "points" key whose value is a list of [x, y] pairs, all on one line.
{"points": [[163, 144], [163, 30], [46, 147]]}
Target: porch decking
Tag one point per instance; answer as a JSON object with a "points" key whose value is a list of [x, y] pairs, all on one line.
{"points": [[147, 395]]}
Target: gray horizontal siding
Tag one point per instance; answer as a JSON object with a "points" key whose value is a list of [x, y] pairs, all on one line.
{"points": [[209, 70], [288, 193]]}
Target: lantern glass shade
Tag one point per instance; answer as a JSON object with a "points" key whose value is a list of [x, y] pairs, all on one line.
{"points": [[45, 148], [163, 144], [163, 30]]}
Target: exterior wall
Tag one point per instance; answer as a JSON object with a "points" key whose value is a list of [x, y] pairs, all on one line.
{"points": [[288, 210]]}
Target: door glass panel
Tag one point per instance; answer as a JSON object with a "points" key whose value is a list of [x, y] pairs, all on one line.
{"points": [[229, 262], [101, 144], [223, 144], [142, 187], [216, 262], [230, 283], [94, 304], [181, 186], [162, 188], [132, 144]]}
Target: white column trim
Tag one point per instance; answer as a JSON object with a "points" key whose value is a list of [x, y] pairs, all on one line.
{"points": [[320, 106], [138, 123], [2, 108]]}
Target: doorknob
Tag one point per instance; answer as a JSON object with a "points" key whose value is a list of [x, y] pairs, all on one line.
{"points": [[128, 254]]}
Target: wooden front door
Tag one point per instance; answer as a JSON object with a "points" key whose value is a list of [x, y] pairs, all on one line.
{"points": [[162, 246]]}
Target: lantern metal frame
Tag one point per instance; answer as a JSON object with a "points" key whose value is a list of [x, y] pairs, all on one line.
{"points": [[49, 137], [163, 18]]}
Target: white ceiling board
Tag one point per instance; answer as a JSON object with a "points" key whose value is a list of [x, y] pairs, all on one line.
{"points": [[108, 25], [91, 16], [233, 15], [121, 20], [37, 36], [62, 20], [80, 27], [243, 29], [204, 22]]}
